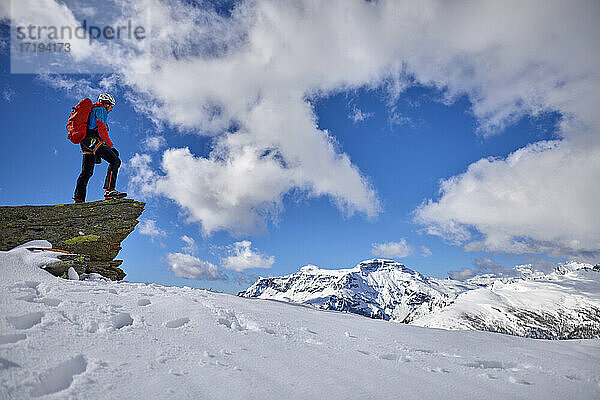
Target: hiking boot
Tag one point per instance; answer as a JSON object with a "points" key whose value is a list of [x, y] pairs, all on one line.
{"points": [[113, 194], [78, 200]]}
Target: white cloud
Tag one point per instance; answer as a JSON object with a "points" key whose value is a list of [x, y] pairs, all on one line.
{"points": [[248, 81], [398, 249], [154, 143], [483, 265], [243, 257], [190, 245], [190, 267], [235, 191], [148, 227], [76, 88], [8, 94], [141, 175], [292, 49], [358, 115], [79, 88], [87, 11], [5, 11], [396, 118], [425, 252], [541, 198], [83, 56]]}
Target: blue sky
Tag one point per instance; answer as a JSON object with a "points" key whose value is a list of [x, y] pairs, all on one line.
{"points": [[330, 148]]}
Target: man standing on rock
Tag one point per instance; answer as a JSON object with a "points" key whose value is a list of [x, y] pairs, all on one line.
{"points": [[97, 146]]}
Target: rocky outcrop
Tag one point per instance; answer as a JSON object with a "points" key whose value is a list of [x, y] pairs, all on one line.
{"points": [[91, 232]]}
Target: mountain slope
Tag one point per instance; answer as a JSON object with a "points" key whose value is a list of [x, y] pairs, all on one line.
{"points": [[562, 305], [62, 339]]}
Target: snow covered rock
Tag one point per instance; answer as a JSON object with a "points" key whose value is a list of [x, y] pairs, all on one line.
{"points": [[72, 274], [92, 232]]}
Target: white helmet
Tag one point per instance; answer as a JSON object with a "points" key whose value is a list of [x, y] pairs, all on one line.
{"points": [[107, 98]]}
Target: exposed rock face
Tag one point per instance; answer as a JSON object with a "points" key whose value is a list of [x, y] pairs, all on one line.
{"points": [[92, 232]]}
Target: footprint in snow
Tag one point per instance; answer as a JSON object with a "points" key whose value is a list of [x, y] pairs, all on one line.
{"points": [[519, 381], [229, 320], [50, 302], [425, 351], [176, 323], [6, 364], [30, 298], [26, 321], [12, 338], [143, 302], [482, 364], [240, 323], [176, 373], [390, 357], [395, 357], [91, 327], [121, 320], [35, 298], [27, 285], [60, 377], [438, 370]]}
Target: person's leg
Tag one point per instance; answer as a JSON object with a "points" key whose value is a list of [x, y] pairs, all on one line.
{"points": [[87, 169], [114, 162]]}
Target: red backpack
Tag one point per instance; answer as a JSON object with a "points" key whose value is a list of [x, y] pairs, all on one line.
{"points": [[77, 122]]}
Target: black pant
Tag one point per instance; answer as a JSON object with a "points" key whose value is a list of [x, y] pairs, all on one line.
{"points": [[90, 152]]}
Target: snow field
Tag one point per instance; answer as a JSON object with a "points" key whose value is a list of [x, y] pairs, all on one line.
{"points": [[63, 339]]}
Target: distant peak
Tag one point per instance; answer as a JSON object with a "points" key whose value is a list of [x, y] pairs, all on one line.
{"points": [[379, 263], [309, 268], [571, 266]]}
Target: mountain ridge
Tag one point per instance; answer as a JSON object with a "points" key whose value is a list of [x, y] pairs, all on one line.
{"points": [[563, 307]]}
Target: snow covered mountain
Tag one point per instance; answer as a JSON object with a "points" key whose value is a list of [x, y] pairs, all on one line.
{"points": [[564, 304], [378, 288]]}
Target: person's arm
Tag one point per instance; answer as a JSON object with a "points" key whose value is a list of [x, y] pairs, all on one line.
{"points": [[101, 116]]}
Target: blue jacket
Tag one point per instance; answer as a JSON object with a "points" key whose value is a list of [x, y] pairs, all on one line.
{"points": [[97, 121]]}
